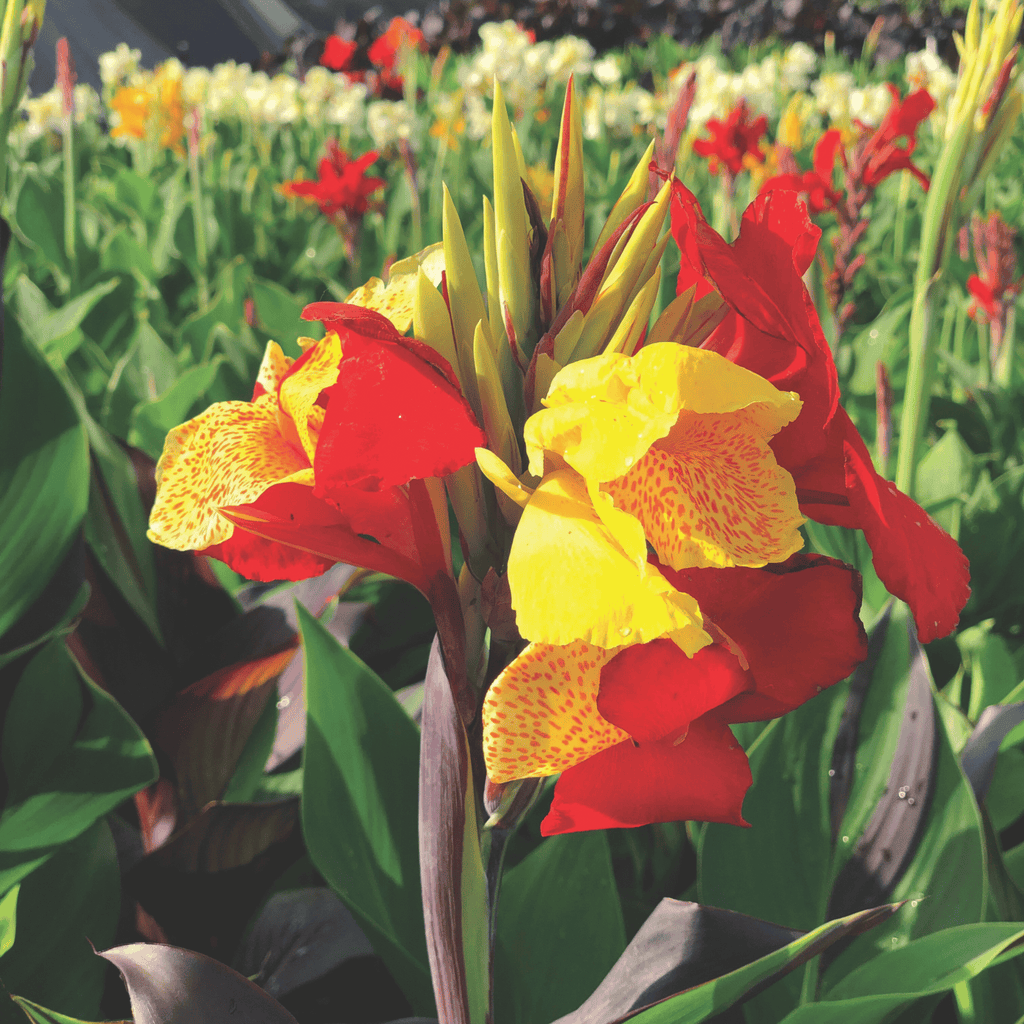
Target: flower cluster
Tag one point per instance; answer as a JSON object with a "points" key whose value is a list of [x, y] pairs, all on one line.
{"points": [[637, 568], [342, 187]]}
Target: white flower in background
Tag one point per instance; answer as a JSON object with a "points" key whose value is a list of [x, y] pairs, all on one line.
{"points": [[503, 50], [118, 64], [347, 107], [832, 92], [870, 104], [195, 85], [651, 110], [478, 117], [87, 104], [758, 85], [569, 56], [799, 62], [593, 109], [388, 121], [926, 70], [607, 71], [44, 114], [226, 90]]}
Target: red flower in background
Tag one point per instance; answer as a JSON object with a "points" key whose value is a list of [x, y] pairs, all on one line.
{"points": [[733, 141], [773, 329], [338, 53], [342, 186], [881, 155], [385, 50], [817, 183]]}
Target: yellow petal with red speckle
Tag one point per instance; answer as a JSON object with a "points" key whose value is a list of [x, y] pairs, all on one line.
{"points": [[712, 494], [273, 368], [540, 715], [228, 455], [572, 580], [301, 389]]}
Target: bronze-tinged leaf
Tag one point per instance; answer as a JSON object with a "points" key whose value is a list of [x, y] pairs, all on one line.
{"points": [[168, 985]]}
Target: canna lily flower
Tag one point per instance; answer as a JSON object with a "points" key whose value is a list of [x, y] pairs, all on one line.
{"points": [[882, 155], [132, 108], [385, 51], [338, 53], [817, 183], [667, 449], [327, 463], [342, 186], [772, 329], [734, 141], [641, 734]]}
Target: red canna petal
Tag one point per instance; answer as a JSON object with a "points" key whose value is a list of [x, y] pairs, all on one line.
{"points": [[774, 329], [392, 416], [914, 557], [652, 690], [704, 778], [371, 529], [796, 623]]}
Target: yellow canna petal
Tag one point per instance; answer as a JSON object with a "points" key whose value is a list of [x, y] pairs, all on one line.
{"points": [[712, 494], [540, 715], [396, 300], [273, 368], [561, 539], [299, 393], [228, 455]]}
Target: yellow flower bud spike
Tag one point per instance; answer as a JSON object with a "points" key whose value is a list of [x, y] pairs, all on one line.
{"points": [[502, 477], [627, 334], [567, 202], [432, 324], [515, 280], [465, 303], [497, 422], [688, 322], [491, 270], [632, 196]]}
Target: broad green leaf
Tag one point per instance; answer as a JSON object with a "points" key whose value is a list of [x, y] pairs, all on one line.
{"points": [[8, 919], [945, 480], [70, 754], [994, 674], [150, 423], [72, 900], [39, 218], [248, 778], [144, 373], [44, 476], [703, 1002], [278, 312], [876, 991], [560, 928], [359, 803], [878, 342], [778, 870], [56, 331]]}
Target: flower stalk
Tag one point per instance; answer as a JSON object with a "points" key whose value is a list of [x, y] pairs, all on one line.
{"points": [[983, 112], [22, 20]]}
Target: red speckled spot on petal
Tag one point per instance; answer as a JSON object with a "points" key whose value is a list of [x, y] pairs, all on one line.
{"points": [[540, 715], [711, 493]]}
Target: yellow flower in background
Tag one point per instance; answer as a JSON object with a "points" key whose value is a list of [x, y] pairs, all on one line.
{"points": [[171, 108], [669, 449], [132, 108], [541, 180]]}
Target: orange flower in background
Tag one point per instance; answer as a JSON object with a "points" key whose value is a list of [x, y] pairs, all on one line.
{"points": [[171, 114], [385, 51], [132, 107], [734, 141], [342, 186]]}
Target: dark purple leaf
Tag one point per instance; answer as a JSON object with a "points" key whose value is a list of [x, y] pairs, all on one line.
{"points": [[679, 946], [299, 936], [168, 985], [888, 842], [978, 758]]}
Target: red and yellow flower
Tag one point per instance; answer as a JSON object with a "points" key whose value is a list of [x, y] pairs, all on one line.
{"points": [[327, 463]]}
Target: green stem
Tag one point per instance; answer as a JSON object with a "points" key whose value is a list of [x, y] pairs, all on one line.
{"points": [[984, 356], [69, 199], [1005, 359], [937, 233], [900, 230], [199, 221]]}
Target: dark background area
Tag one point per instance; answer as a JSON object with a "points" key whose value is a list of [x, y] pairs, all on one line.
{"points": [[264, 32]]}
